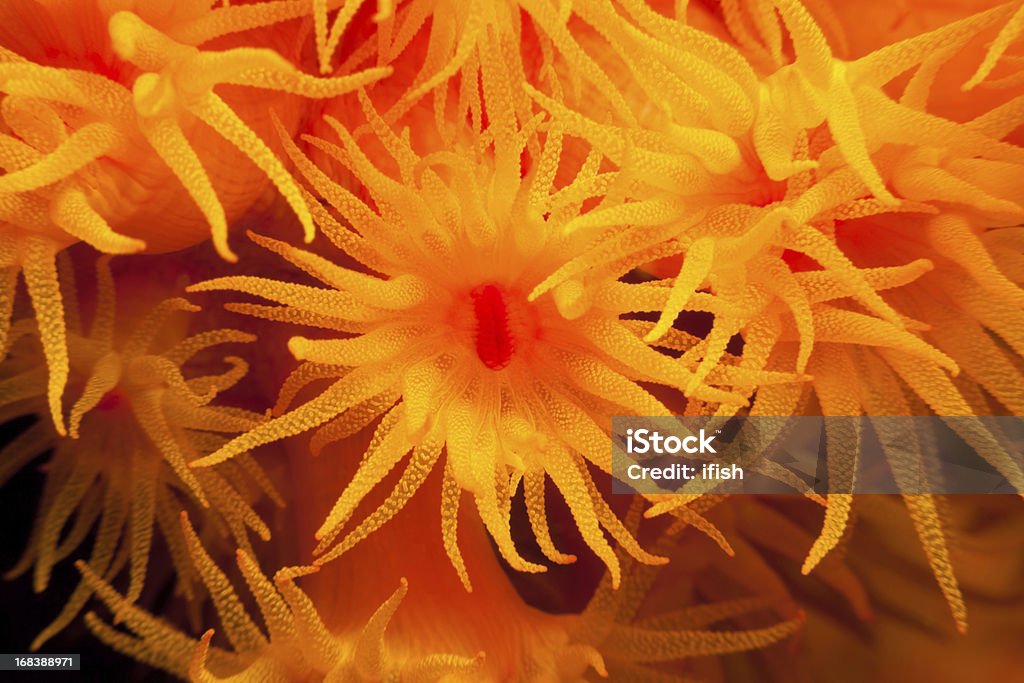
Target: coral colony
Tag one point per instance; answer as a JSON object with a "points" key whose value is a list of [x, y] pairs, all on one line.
{"points": [[384, 272]]}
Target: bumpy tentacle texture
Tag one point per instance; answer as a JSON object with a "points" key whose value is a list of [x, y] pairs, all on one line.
{"points": [[457, 341], [296, 646], [137, 411], [328, 31], [617, 635], [435, 47], [639, 641], [1010, 32], [95, 129], [836, 225], [150, 87], [527, 219]]}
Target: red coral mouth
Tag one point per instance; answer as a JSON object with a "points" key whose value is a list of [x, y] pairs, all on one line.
{"points": [[495, 344]]}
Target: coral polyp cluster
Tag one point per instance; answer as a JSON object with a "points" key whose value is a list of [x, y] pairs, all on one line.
{"points": [[520, 220], [816, 210], [100, 124], [464, 361]]}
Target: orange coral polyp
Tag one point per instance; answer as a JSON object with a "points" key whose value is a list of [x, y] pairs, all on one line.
{"points": [[97, 143], [438, 235]]}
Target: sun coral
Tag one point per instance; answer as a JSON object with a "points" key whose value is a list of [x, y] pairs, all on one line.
{"points": [[511, 368], [430, 336], [618, 635], [296, 646], [95, 127], [126, 103], [548, 214], [1010, 32], [331, 636], [454, 35], [811, 206], [637, 635], [134, 430], [461, 347]]}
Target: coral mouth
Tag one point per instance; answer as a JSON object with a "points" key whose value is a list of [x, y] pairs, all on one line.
{"points": [[495, 343]]}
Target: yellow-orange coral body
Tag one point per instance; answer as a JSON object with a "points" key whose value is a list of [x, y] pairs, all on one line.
{"points": [[461, 348]]}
